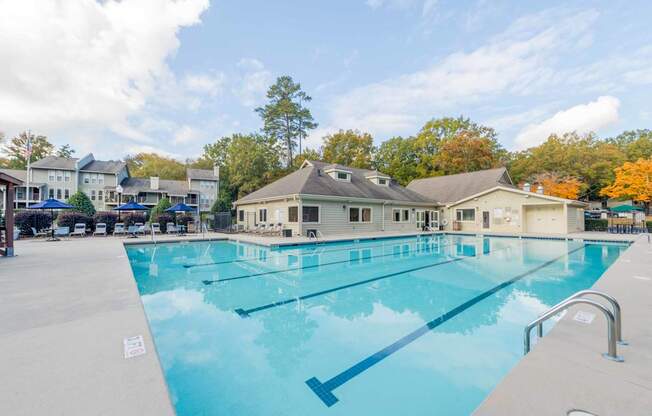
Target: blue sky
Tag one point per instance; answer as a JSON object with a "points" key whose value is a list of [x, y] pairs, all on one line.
{"points": [[170, 76]]}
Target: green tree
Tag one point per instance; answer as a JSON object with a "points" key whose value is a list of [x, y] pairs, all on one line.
{"points": [[82, 203], [397, 158], [17, 147], [436, 132], [468, 151], [349, 148], [160, 208], [152, 164], [308, 154], [65, 151], [635, 144], [285, 118]]}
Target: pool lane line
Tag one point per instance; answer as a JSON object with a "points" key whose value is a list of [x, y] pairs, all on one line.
{"points": [[245, 313], [325, 390], [312, 266], [188, 266]]}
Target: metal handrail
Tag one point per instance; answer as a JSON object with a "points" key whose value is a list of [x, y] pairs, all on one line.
{"points": [[611, 353], [614, 304], [151, 230]]}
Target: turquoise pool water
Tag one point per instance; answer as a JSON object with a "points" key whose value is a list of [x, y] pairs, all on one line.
{"points": [[414, 326]]}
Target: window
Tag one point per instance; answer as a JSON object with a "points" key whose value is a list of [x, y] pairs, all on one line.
{"points": [[293, 214], [359, 214], [100, 179], [99, 195], [382, 181], [342, 176], [401, 215], [93, 195], [51, 193], [466, 215], [59, 176], [59, 196], [20, 193], [310, 213], [87, 178], [66, 176], [51, 176], [66, 193], [262, 215], [241, 216], [94, 178]]}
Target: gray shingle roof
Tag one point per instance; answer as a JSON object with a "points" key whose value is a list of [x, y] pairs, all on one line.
{"points": [[311, 180], [101, 166], [16, 173], [132, 186], [55, 162], [452, 188], [201, 174]]}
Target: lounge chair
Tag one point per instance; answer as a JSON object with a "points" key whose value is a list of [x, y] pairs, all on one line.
{"points": [[156, 228], [140, 228], [170, 228], [274, 229], [80, 230], [119, 228], [100, 229], [61, 231], [37, 234], [131, 231]]}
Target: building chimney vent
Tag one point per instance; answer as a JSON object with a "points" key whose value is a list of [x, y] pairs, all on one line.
{"points": [[540, 189], [216, 171], [526, 187], [153, 183]]}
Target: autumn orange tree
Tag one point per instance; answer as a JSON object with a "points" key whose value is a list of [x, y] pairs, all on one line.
{"points": [[563, 187], [633, 181]]}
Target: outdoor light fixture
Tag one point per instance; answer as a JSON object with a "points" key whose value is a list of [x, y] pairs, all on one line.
{"points": [[344, 207]]}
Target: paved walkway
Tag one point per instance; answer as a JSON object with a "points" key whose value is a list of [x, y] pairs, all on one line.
{"points": [[566, 370]]}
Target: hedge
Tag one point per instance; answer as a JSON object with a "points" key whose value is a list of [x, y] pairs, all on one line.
{"points": [[163, 219], [70, 218], [25, 220], [108, 218], [595, 225], [132, 218]]}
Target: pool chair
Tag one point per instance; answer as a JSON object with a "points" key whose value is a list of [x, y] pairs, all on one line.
{"points": [[274, 229], [100, 229], [61, 231], [156, 228], [170, 228], [119, 229], [80, 230], [132, 230], [261, 229], [140, 228], [37, 234]]}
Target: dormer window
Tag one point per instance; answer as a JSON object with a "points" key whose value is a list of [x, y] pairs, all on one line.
{"points": [[339, 175], [378, 178], [342, 176], [382, 181]]}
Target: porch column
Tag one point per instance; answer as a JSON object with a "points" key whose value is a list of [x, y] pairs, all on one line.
{"points": [[9, 221]]}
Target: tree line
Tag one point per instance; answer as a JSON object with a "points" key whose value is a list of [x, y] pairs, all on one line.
{"points": [[571, 165]]}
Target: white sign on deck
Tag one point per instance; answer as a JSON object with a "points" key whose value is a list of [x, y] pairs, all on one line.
{"points": [[134, 346], [584, 317]]}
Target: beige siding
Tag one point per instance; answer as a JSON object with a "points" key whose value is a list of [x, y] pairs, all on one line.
{"points": [[507, 212], [575, 219], [277, 211]]}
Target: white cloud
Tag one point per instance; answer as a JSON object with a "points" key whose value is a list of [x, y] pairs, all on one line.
{"points": [[86, 63], [209, 84], [395, 4], [254, 82], [519, 61], [185, 135], [581, 118]]}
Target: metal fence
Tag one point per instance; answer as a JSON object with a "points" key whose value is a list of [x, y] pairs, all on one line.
{"points": [[221, 221]]}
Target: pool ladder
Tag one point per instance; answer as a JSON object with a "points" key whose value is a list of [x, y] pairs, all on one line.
{"points": [[614, 326]]}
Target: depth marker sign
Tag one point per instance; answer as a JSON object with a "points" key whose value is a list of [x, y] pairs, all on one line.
{"points": [[134, 346]]}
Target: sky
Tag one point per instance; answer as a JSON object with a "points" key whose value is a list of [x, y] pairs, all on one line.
{"points": [[168, 76]]}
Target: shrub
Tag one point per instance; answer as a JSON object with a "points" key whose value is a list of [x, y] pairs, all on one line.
{"points": [[132, 218], [160, 208], [80, 201], [649, 226], [107, 217], [163, 219], [185, 219], [70, 218], [25, 220], [595, 225]]}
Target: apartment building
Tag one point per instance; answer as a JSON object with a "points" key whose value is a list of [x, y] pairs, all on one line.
{"points": [[109, 184]]}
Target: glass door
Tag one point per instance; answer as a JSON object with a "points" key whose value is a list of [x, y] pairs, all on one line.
{"points": [[434, 220], [421, 219]]}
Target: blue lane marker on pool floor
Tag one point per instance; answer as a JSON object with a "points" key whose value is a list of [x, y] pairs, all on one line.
{"points": [[312, 266], [325, 390]]}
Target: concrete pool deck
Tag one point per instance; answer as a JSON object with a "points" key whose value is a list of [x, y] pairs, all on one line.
{"points": [[68, 305]]}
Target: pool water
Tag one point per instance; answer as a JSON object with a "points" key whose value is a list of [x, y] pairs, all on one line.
{"points": [[416, 326]]}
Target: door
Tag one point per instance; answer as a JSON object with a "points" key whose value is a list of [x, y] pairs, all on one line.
{"points": [[485, 219], [434, 220], [544, 219], [420, 219]]}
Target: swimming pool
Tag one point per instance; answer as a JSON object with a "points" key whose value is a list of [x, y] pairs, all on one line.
{"points": [[419, 325]]}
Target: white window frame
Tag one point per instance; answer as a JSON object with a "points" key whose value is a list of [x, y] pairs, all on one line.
{"points": [[51, 193], [318, 213], [67, 176], [52, 176], [59, 194], [459, 215], [59, 174], [87, 178], [92, 194], [66, 194], [360, 208], [386, 183], [260, 212], [298, 214], [402, 211]]}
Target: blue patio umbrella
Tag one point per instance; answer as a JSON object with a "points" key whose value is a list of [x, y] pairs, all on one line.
{"points": [[51, 204], [180, 207], [130, 206]]}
